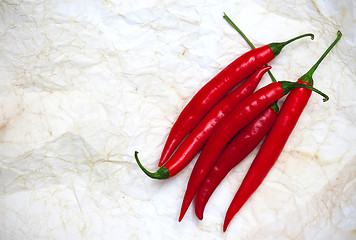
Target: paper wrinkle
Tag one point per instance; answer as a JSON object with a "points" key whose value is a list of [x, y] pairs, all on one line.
{"points": [[87, 83]]}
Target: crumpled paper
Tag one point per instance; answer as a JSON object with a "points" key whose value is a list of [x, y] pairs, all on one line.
{"points": [[84, 84]]}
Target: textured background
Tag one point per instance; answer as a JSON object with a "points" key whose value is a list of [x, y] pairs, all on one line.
{"points": [[83, 84]]}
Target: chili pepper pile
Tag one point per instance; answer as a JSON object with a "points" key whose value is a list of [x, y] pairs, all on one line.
{"points": [[227, 119]]}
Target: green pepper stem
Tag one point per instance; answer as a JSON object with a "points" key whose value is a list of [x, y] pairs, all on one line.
{"points": [[239, 31], [308, 77], [247, 40], [275, 107], [288, 86], [161, 173], [277, 47]]}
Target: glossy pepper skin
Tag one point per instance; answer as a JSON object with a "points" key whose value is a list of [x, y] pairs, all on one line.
{"points": [[275, 140], [236, 151], [240, 147], [240, 117], [195, 141], [212, 92]]}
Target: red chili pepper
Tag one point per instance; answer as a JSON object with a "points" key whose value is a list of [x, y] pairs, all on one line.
{"points": [[239, 147], [241, 116], [195, 141], [212, 92], [275, 140]]}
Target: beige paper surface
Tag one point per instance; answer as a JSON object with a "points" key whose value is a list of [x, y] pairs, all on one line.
{"points": [[84, 84]]}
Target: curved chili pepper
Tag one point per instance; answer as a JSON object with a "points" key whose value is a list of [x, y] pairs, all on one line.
{"points": [[216, 89], [242, 115], [195, 141], [275, 140], [242, 145], [239, 147]]}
